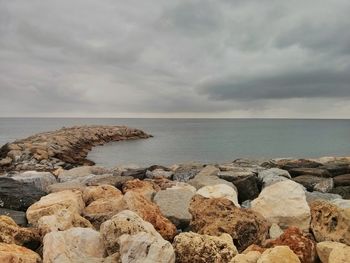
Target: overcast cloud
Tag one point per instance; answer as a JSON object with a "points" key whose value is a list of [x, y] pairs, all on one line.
{"points": [[158, 58]]}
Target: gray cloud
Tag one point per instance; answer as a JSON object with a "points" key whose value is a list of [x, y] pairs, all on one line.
{"points": [[174, 58]]}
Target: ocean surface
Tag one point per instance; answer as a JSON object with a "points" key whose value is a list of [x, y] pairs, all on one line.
{"points": [[205, 140]]}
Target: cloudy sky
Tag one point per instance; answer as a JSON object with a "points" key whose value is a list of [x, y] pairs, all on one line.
{"points": [[170, 58]]}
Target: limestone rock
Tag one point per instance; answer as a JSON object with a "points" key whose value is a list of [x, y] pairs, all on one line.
{"points": [[309, 171], [325, 248], [102, 179], [145, 248], [80, 173], [174, 203], [232, 173], [339, 255], [214, 216], [250, 257], [139, 173], [274, 199], [145, 188], [278, 254], [342, 203], [18, 216], [219, 190], [159, 173], [187, 171], [275, 231], [92, 193], [69, 185], [40, 180], [343, 191], [314, 196], [50, 204], [196, 248], [272, 176], [330, 222], [315, 183], [73, 245], [11, 253]]}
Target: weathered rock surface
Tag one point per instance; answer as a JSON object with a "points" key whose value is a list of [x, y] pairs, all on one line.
{"points": [[342, 180], [278, 254], [314, 196], [40, 180], [145, 188], [330, 222], [80, 173], [11, 253], [232, 173], [138, 173], [196, 248], [314, 183], [275, 231], [69, 185], [309, 171], [174, 204], [159, 173], [18, 216], [93, 193], [16, 195], [186, 171], [339, 255], [214, 216], [274, 199], [325, 248], [73, 245], [250, 257], [247, 188], [288, 164], [343, 191], [218, 191], [272, 176]]}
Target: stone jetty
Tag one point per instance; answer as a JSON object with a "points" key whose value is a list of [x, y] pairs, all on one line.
{"points": [[244, 211]]}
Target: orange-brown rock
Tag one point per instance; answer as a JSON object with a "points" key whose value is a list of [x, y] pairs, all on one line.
{"points": [[93, 193], [300, 243], [146, 188], [11, 253], [214, 216]]}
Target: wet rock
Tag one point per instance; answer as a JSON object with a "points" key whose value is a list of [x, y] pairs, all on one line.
{"points": [[145, 188], [11, 253], [274, 199], [144, 247], [311, 183], [174, 203], [73, 245], [80, 173], [247, 188], [342, 180], [250, 257], [298, 242], [309, 171], [214, 216], [278, 254], [330, 222], [314, 196], [196, 248], [325, 248], [40, 180], [218, 191], [272, 176], [343, 191], [18, 216], [187, 171], [16, 195]]}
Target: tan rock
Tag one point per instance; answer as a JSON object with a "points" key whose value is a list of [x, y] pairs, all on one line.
{"points": [[73, 245], [339, 255], [278, 254], [80, 172], [214, 216], [330, 222], [219, 190], [50, 204], [250, 257], [196, 248], [70, 185], [275, 231], [92, 193], [325, 248], [145, 188], [11, 233], [11, 253], [274, 199]]}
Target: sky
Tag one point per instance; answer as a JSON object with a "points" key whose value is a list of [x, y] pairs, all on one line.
{"points": [[171, 58]]}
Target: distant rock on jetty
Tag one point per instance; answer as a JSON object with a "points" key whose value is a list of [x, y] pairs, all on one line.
{"points": [[66, 147]]}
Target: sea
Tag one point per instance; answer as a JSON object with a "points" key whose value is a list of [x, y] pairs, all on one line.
{"points": [[203, 140]]}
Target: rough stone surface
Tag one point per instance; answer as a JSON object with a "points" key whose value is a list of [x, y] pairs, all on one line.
{"points": [[73, 245], [174, 203], [40, 180], [219, 190], [309, 181], [342, 180], [159, 173], [325, 248], [278, 254], [309, 171], [93, 193], [80, 173], [16, 195], [18, 216], [214, 216], [339, 255], [247, 188], [11, 253], [275, 231], [314, 196], [186, 171], [196, 248], [272, 176], [330, 222], [274, 199], [145, 188], [343, 191], [69, 185], [250, 257]]}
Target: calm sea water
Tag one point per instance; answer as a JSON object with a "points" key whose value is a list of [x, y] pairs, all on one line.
{"points": [[206, 140]]}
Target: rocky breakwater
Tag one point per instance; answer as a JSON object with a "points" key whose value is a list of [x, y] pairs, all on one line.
{"points": [[66, 147]]}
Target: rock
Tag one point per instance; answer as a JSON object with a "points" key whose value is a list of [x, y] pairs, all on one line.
{"points": [[272, 176], [288, 164], [330, 222], [18, 216], [125, 222], [11, 233], [196, 248], [247, 188], [115, 180], [342, 203], [52, 203], [314, 196], [274, 199], [311, 183], [159, 173], [337, 168], [343, 191], [232, 173], [16, 195], [135, 173], [73, 245], [187, 171], [298, 242], [309, 171], [250, 257], [219, 190], [11, 253], [342, 180], [275, 231], [339, 255], [174, 203], [324, 186], [93, 193], [80, 173], [151, 213], [40, 180], [325, 248], [145, 248], [277, 255], [70, 185], [145, 188], [214, 216]]}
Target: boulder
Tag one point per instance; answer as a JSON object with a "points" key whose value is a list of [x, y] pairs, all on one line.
{"points": [[73, 245], [69, 185], [272, 176], [219, 190], [52, 203], [145, 248], [275, 231], [311, 183], [342, 180], [233, 173], [17, 195], [80, 172], [40, 180], [247, 188], [339, 255], [18, 216], [125, 222], [159, 173], [274, 199], [309, 171], [330, 222], [343, 191], [174, 203], [342, 203], [288, 164], [115, 180], [11, 253], [277, 255], [145, 188], [250, 257], [214, 216], [314, 196], [139, 173], [337, 168], [186, 171], [325, 248], [196, 248], [93, 193]]}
